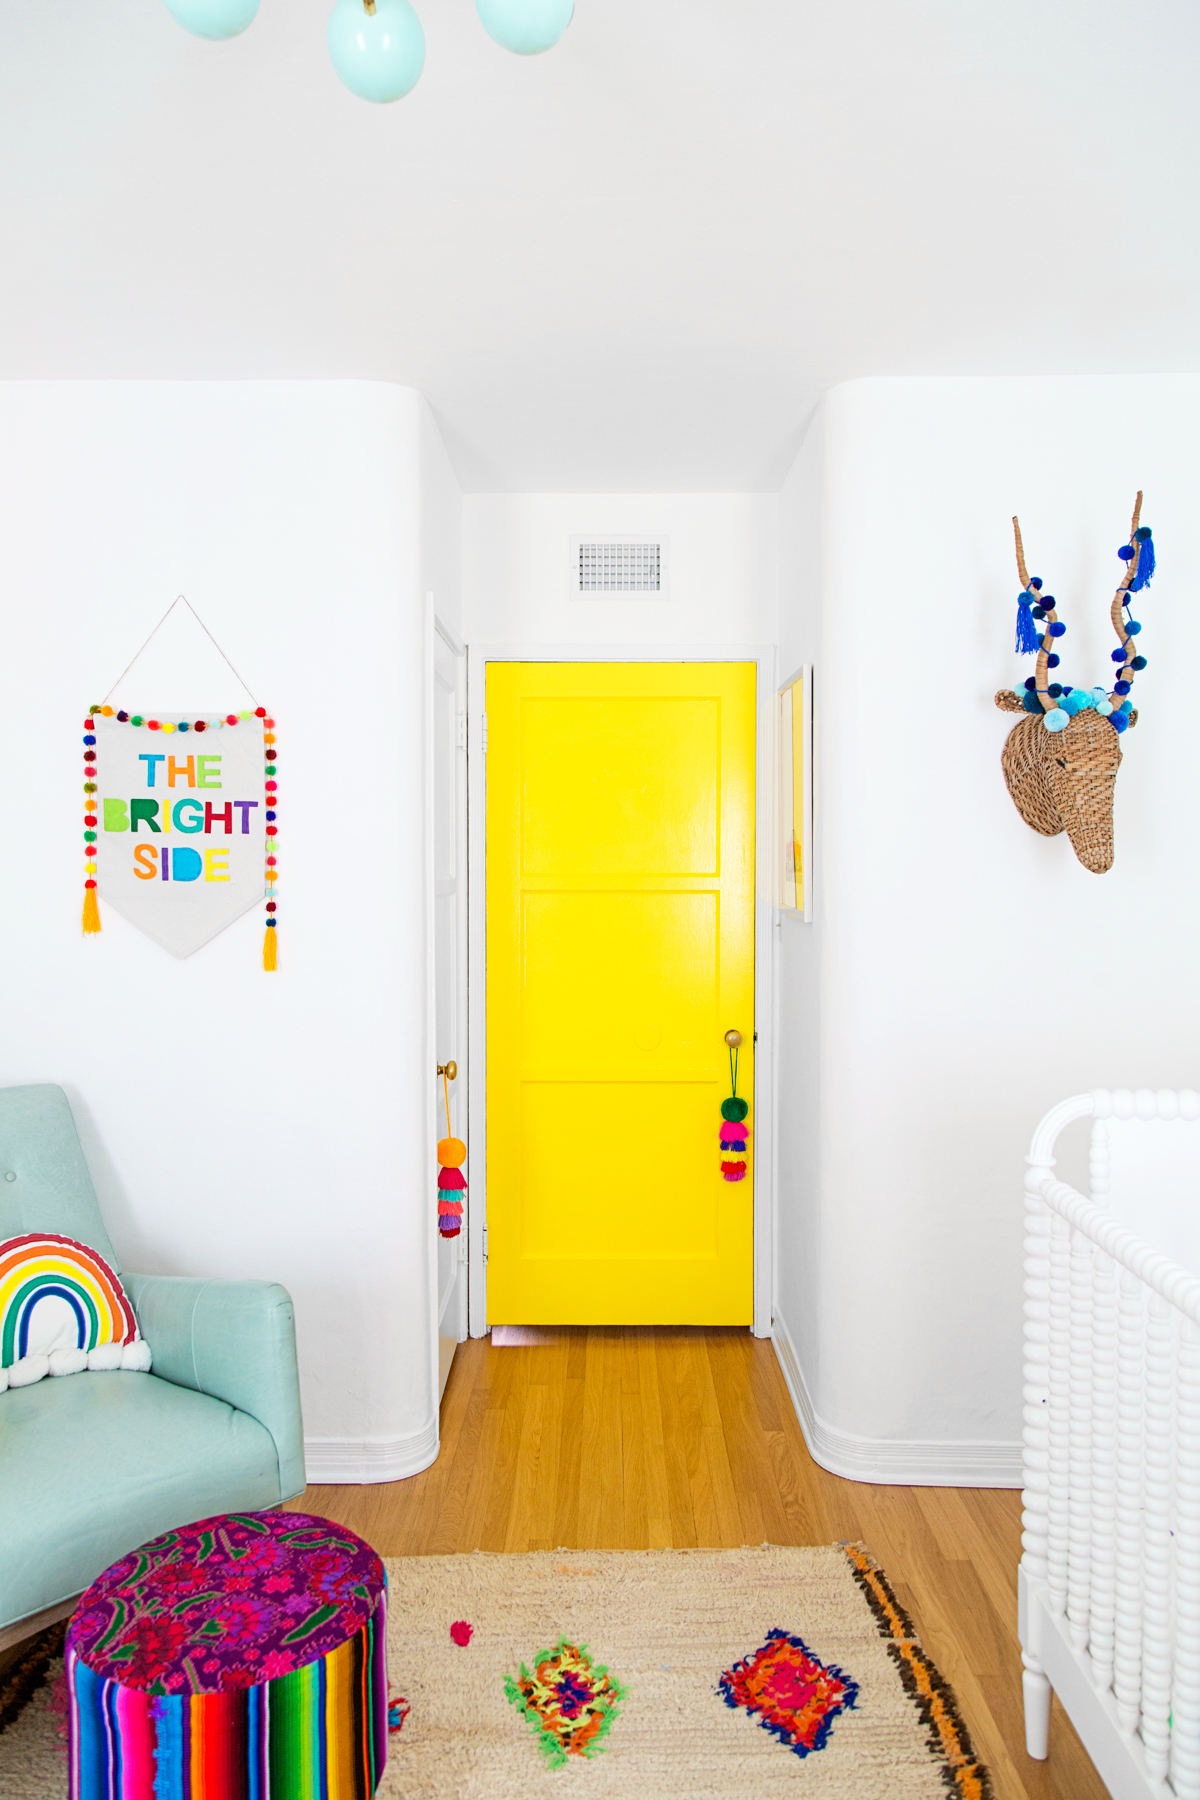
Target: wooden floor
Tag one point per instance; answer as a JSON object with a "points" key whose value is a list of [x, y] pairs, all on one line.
{"points": [[659, 1438]]}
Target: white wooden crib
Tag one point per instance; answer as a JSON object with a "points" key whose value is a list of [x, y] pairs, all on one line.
{"points": [[1109, 1583]]}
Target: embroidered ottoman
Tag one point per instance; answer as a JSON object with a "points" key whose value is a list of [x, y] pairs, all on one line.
{"points": [[242, 1658]]}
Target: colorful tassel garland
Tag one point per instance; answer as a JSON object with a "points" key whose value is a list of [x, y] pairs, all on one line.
{"points": [[452, 1184], [91, 912], [733, 1133]]}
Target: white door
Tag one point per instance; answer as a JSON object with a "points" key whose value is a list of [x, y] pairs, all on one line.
{"points": [[450, 960]]}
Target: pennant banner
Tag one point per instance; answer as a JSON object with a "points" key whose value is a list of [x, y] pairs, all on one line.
{"points": [[180, 823]]}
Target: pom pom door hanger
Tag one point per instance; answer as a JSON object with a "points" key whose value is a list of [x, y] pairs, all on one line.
{"points": [[179, 819], [1061, 760]]}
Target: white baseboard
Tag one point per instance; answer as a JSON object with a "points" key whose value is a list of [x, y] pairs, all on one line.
{"points": [[892, 1461], [334, 1462]]}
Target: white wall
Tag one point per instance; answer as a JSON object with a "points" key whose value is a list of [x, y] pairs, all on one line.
{"points": [[441, 523], [238, 1123], [966, 973], [798, 1285], [723, 574]]}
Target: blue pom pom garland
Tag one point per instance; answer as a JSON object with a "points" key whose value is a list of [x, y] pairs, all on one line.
{"points": [[1033, 604]]}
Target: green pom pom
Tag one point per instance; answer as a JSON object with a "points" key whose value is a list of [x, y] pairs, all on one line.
{"points": [[734, 1110]]}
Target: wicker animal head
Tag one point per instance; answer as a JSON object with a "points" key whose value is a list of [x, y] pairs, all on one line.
{"points": [[1061, 760]]}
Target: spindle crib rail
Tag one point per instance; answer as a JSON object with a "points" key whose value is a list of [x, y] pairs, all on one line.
{"points": [[1109, 1582]]}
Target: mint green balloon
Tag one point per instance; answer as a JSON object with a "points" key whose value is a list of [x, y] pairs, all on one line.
{"points": [[213, 18], [378, 55], [526, 27]]}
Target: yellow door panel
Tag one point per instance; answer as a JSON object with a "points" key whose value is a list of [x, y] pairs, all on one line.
{"points": [[645, 1006], [620, 785], [620, 948]]}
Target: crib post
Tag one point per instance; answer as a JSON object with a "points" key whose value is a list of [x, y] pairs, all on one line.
{"points": [[1127, 1650], [1185, 1699], [1079, 1529], [1035, 1689], [1104, 1471], [1156, 1646], [1059, 1447]]}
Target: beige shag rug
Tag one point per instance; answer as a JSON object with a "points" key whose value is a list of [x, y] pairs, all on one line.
{"points": [[726, 1675]]}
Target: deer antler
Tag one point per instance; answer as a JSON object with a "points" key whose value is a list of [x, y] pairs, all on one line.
{"points": [[1021, 570], [1043, 661], [1126, 672]]}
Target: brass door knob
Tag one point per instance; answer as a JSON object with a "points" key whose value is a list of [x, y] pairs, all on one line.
{"points": [[733, 1039], [449, 1070]]}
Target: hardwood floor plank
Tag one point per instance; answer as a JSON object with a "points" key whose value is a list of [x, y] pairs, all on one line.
{"points": [[658, 1510], [570, 1450], [681, 1517], [599, 1438]]}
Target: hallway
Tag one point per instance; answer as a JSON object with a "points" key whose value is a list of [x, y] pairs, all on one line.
{"points": [[636, 1439]]}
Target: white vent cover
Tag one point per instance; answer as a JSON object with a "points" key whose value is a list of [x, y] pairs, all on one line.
{"points": [[610, 568]]}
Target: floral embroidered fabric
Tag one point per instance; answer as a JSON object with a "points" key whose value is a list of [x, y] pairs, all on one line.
{"points": [[227, 1603]]}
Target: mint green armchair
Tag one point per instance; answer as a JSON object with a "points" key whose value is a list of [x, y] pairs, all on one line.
{"points": [[92, 1465]]}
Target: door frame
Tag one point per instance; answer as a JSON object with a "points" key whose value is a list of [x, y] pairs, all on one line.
{"points": [[765, 913], [435, 629]]}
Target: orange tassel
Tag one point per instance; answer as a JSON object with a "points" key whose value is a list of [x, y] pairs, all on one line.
{"points": [[269, 947], [91, 912]]}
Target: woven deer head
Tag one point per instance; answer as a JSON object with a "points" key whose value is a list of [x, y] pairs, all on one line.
{"points": [[1061, 760]]}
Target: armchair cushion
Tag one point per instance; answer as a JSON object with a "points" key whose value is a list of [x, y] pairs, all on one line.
{"points": [[97, 1465], [232, 1339]]}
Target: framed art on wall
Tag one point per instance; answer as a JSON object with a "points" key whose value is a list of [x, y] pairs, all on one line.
{"points": [[793, 782]]}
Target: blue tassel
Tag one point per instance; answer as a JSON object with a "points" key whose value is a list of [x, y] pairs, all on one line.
{"points": [[1145, 561], [1027, 638]]}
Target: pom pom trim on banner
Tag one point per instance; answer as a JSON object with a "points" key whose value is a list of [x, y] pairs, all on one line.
{"points": [[215, 722]]}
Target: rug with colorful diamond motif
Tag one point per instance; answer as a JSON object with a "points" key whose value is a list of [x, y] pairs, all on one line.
{"points": [[727, 1675]]}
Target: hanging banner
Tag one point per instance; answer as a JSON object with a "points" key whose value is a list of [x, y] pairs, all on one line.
{"points": [[179, 823]]}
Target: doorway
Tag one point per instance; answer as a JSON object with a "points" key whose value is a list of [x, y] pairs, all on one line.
{"points": [[620, 949]]}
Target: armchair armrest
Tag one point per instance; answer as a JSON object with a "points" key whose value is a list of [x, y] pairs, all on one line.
{"points": [[235, 1340]]}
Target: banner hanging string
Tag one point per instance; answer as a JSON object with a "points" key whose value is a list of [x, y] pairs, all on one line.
{"points": [[204, 628]]}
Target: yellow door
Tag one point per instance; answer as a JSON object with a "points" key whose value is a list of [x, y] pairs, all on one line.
{"points": [[620, 949]]}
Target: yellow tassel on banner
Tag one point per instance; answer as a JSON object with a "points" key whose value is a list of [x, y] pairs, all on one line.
{"points": [[91, 912], [268, 947]]}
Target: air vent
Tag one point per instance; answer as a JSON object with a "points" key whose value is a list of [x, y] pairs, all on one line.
{"points": [[614, 568]]}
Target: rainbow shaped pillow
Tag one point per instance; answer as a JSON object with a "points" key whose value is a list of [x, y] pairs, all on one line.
{"points": [[62, 1310]]}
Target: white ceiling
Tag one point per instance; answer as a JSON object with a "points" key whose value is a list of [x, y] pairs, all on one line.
{"points": [[633, 263]]}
